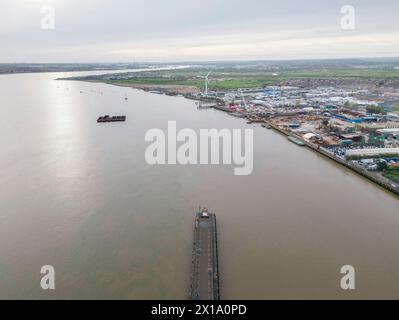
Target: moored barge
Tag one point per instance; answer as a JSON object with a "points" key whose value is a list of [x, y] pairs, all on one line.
{"points": [[107, 118]]}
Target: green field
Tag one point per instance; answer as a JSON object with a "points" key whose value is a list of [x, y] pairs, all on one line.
{"points": [[199, 83], [227, 78], [392, 174]]}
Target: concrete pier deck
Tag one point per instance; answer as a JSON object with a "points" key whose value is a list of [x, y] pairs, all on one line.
{"points": [[205, 271]]}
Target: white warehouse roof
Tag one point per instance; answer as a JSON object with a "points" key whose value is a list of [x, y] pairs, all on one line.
{"points": [[393, 130], [309, 136], [372, 152]]}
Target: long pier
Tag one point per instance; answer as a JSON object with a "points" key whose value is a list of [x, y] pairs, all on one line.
{"points": [[205, 268]]}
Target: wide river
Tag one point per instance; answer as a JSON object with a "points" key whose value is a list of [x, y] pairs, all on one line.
{"points": [[80, 196]]}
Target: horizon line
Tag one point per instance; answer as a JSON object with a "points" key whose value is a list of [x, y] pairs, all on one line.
{"points": [[212, 61]]}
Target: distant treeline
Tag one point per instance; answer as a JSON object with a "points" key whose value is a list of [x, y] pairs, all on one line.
{"points": [[8, 68]]}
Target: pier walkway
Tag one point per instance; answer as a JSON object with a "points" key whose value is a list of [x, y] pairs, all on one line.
{"points": [[205, 272]]}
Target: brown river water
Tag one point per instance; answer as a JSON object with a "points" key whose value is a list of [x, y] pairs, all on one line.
{"points": [[80, 196]]}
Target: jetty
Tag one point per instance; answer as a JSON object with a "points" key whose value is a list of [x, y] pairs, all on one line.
{"points": [[296, 140], [205, 269]]}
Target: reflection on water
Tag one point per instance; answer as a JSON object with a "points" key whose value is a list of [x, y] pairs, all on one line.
{"points": [[79, 196]]}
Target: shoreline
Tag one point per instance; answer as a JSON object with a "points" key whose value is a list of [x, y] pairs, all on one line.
{"points": [[387, 186], [384, 183], [172, 90], [185, 92]]}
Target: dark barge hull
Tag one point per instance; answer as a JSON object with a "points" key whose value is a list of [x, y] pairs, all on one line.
{"points": [[205, 268], [111, 119]]}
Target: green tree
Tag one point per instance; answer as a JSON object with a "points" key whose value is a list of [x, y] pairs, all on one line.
{"points": [[375, 110], [382, 166], [348, 105]]}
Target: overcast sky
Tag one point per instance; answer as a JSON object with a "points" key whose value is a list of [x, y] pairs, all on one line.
{"points": [[188, 30]]}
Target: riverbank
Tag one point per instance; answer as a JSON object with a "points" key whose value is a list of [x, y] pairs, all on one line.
{"points": [[160, 89], [380, 180], [189, 92], [371, 176]]}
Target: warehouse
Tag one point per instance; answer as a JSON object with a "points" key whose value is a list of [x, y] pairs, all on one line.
{"points": [[372, 153]]}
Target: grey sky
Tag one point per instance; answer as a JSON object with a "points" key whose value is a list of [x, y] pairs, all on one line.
{"points": [[176, 30]]}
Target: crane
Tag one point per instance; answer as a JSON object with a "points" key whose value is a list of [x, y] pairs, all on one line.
{"points": [[243, 99], [207, 83]]}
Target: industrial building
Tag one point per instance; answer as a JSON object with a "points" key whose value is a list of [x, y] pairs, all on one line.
{"points": [[372, 153]]}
